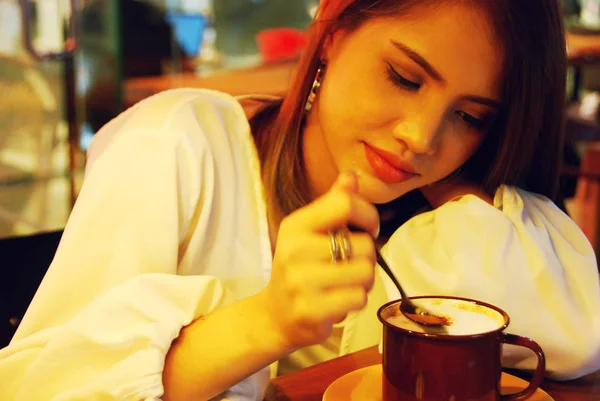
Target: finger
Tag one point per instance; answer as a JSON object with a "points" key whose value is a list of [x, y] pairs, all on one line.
{"points": [[357, 272], [347, 181], [338, 319], [338, 302], [314, 279], [336, 209], [340, 209], [331, 306], [318, 248]]}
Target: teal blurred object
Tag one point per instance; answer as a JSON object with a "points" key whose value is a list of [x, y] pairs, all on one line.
{"points": [[237, 22], [188, 30]]}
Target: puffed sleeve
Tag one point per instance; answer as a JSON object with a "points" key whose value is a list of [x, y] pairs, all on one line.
{"points": [[111, 303], [522, 254]]}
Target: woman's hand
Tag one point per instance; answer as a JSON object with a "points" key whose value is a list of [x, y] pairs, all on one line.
{"points": [[307, 293]]}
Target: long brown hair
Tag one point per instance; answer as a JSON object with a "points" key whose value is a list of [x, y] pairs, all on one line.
{"points": [[523, 148]]}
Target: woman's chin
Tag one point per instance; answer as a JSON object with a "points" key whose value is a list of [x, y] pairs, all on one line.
{"points": [[379, 192]]}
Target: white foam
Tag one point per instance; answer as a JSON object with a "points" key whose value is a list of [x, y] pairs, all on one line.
{"points": [[465, 318]]}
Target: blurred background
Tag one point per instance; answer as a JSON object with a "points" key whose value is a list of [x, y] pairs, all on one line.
{"points": [[65, 66]]}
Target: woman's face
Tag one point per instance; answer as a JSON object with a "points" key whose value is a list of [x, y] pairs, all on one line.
{"points": [[405, 100]]}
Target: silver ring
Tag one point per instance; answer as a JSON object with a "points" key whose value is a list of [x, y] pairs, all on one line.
{"points": [[340, 248]]}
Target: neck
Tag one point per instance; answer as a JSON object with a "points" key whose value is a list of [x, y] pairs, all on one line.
{"points": [[440, 193]]}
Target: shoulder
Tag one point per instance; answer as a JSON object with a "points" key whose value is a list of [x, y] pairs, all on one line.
{"points": [[520, 227], [185, 108], [513, 216], [202, 118], [508, 203]]}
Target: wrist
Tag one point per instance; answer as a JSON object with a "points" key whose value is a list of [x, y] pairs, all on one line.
{"points": [[268, 330]]}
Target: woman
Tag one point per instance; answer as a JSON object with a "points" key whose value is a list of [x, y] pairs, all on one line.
{"points": [[198, 254]]}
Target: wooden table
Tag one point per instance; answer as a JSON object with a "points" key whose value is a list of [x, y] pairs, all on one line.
{"points": [[583, 49], [269, 79], [309, 384]]}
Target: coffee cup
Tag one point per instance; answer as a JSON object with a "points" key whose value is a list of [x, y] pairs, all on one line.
{"points": [[459, 362]]}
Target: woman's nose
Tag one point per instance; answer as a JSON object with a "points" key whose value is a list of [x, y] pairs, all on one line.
{"points": [[421, 135]]}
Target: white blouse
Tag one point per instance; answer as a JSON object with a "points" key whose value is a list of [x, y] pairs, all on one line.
{"points": [[171, 224]]}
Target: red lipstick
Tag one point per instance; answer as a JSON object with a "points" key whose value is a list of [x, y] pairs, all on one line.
{"points": [[387, 166]]}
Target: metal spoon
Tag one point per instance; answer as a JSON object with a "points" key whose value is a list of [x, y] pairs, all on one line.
{"points": [[415, 313]]}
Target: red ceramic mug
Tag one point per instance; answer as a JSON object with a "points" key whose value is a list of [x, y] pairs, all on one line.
{"points": [[461, 363]]}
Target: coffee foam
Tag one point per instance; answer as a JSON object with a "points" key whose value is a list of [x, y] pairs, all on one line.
{"points": [[465, 318]]}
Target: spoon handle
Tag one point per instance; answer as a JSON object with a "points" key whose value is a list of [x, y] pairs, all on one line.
{"points": [[381, 261], [389, 272]]}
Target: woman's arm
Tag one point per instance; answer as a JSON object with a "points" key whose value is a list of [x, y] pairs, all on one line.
{"points": [[223, 348], [111, 304], [104, 320]]}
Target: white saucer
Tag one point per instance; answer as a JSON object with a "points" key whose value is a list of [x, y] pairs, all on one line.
{"points": [[365, 385]]}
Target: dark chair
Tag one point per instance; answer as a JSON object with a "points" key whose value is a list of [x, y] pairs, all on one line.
{"points": [[23, 264]]}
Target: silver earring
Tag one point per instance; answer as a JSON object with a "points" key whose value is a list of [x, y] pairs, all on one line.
{"points": [[315, 88]]}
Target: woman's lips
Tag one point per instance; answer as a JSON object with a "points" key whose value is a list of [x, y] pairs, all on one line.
{"points": [[387, 167]]}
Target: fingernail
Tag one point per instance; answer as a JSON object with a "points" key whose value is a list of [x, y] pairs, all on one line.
{"points": [[344, 176], [350, 172], [377, 231], [350, 175]]}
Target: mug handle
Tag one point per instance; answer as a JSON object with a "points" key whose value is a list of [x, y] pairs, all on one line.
{"points": [[540, 369]]}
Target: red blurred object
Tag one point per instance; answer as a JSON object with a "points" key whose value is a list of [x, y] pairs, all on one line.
{"points": [[280, 44]]}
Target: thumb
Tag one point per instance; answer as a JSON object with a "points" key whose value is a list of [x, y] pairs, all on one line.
{"points": [[347, 181]]}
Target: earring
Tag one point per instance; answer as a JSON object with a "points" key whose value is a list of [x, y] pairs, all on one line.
{"points": [[315, 88]]}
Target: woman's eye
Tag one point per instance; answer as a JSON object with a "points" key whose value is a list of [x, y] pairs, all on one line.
{"points": [[481, 124], [400, 81]]}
